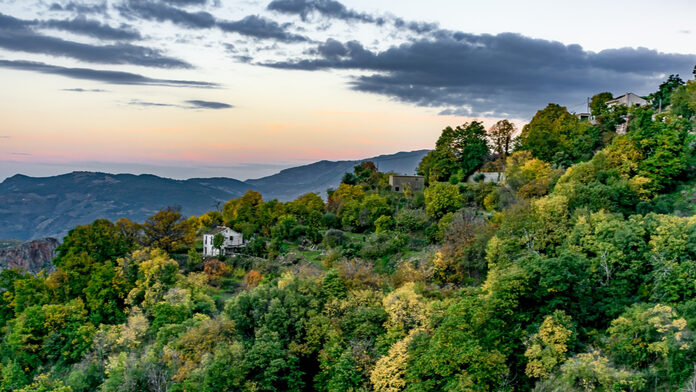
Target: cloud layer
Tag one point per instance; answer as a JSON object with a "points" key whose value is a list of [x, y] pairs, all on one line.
{"points": [[112, 77], [16, 35], [504, 75], [415, 62]]}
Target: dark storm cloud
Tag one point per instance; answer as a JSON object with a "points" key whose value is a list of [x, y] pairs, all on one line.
{"points": [[80, 8], [112, 77], [93, 28], [327, 8], [197, 104], [504, 74], [259, 27]]}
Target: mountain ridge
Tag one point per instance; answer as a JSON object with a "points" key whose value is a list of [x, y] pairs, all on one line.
{"points": [[37, 207]]}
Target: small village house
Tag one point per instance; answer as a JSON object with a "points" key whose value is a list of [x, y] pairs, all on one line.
{"points": [[629, 100], [399, 183], [232, 241]]}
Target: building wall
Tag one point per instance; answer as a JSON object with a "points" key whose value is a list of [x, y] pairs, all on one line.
{"points": [[496, 177], [399, 183], [232, 239]]}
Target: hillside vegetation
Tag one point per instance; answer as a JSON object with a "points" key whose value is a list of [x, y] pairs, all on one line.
{"points": [[576, 273]]}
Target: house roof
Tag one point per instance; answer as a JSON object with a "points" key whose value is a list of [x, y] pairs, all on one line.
{"points": [[218, 229], [617, 99]]}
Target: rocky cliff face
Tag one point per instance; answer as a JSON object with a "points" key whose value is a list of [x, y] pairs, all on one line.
{"points": [[32, 256]]}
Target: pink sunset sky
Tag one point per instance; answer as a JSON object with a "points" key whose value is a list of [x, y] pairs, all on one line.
{"points": [[196, 88]]}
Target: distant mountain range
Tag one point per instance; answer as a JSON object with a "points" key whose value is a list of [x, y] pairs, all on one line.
{"points": [[37, 207]]}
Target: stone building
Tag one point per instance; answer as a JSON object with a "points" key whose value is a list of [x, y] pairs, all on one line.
{"points": [[399, 182]]}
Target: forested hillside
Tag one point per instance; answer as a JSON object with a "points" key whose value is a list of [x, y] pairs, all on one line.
{"points": [[575, 273]]}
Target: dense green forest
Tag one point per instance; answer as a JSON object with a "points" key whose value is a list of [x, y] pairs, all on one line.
{"points": [[577, 272]]}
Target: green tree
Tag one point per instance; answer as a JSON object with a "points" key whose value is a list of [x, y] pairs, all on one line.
{"points": [[218, 240], [553, 134], [100, 240], [500, 135], [168, 230], [458, 151], [42, 383], [547, 349], [441, 198], [662, 97]]}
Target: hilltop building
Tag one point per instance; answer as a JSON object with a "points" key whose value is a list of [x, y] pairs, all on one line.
{"points": [[628, 99], [233, 241], [585, 117], [399, 182]]}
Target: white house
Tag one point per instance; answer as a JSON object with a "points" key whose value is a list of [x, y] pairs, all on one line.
{"points": [[628, 99], [233, 240]]}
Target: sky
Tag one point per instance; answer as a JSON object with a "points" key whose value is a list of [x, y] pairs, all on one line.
{"points": [[242, 89]]}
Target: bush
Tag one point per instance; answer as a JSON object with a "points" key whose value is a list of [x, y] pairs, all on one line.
{"points": [[441, 198], [334, 238], [384, 223], [411, 220], [383, 244], [330, 221]]}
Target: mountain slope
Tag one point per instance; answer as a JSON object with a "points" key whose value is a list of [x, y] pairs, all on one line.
{"points": [[319, 176], [36, 207], [33, 207]]}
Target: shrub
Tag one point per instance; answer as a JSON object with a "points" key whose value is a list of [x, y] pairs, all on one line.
{"points": [[408, 220], [384, 223], [334, 238]]}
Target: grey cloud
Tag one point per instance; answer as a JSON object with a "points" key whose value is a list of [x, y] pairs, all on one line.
{"points": [[93, 28], [4, 137], [16, 36], [25, 40], [136, 102], [327, 8], [111, 77], [190, 104], [197, 104], [416, 27], [186, 2], [8, 22], [259, 27], [504, 74], [251, 26], [83, 90], [162, 12], [332, 48], [80, 8]]}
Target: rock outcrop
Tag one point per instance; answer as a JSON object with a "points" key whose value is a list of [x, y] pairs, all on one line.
{"points": [[32, 256]]}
